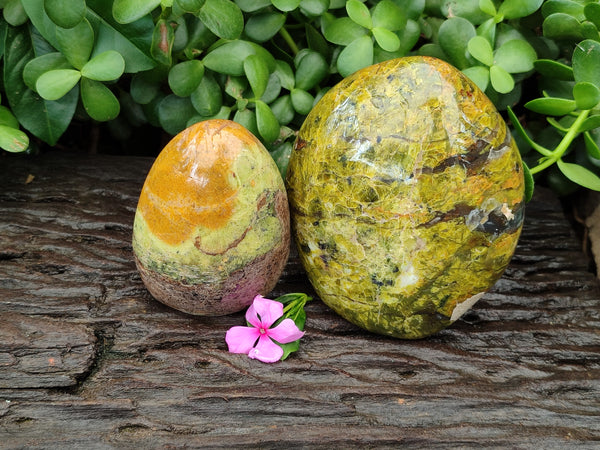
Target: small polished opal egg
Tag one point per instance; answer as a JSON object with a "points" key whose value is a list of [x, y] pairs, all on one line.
{"points": [[211, 228]]}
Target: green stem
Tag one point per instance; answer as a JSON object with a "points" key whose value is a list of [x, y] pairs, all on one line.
{"points": [[289, 40], [563, 145]]}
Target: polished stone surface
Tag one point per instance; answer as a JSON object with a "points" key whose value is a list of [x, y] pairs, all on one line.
{"points": [[406, 191], [211, 229]]}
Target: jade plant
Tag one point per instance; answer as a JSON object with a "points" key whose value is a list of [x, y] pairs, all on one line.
{"points": [[265, 63]]}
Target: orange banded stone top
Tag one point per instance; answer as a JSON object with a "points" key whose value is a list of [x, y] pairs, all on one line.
{"points": [[196, 166], [209, 204]]}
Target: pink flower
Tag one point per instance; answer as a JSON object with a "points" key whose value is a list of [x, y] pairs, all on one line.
{"points": [[257, 340]]}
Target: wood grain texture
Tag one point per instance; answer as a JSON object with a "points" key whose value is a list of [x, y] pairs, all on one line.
{"points": [[89, 360]]}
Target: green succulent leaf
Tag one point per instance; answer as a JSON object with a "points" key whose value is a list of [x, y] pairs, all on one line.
{"points": [[76, 43], [591, 145], [247, 118], [412, 9], [481, 49], [554, 69], [281, 155], [316, 41], [359, 13], [7, 118], [262, 27], [569, 7], [106, 66], [54, 84], [386, 39], [487, 30], [14, 13], [592, 13], [590, 123], [529, 183], [207, 99], [192, 6], [311, 69], [479, 75], [551, 106], [286, 5], [586, 95], [13, 140], [358, 54], [162, 42], [143, 88], [302, 101], [65, 13], [174, 112], [200, 38], [44, 63], [488, 7], [453, 36], [580, 175], [185, 77], [586, 62], [467, 9], [561, 26], [515, 56], [223, 17], [409, 36], [501, 80], [266, 122], [229, 57], [181, 33], [257, 72], [285, 74], [343, 31], [127, 11], [514, 9], [252, 5], [236, 87], [313, 8], [590, 31], [273, 89], [388, 15], [98, 100], [283, 109]]}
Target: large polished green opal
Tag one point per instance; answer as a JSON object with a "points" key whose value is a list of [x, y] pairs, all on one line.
{"points": [[406, 191]]}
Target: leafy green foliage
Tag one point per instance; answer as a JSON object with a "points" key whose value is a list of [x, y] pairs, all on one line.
{"points": [[577, 109], [265, 63]]}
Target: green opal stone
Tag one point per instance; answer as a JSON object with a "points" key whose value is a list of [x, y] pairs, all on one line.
{"points": [[406, 192]]}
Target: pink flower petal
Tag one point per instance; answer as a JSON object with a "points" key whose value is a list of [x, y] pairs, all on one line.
{"points": [[268, 310], [241, 339], [252, 316], [285, 332], [266, 350]]}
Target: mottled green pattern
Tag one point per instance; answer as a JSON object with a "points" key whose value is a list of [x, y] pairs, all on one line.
{"points": [[406, 191]]}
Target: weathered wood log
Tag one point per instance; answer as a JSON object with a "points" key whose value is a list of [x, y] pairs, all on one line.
{"points": [[89, 360]]}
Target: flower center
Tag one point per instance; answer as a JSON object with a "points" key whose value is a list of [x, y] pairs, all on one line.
{"points": [[262, 330]]}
